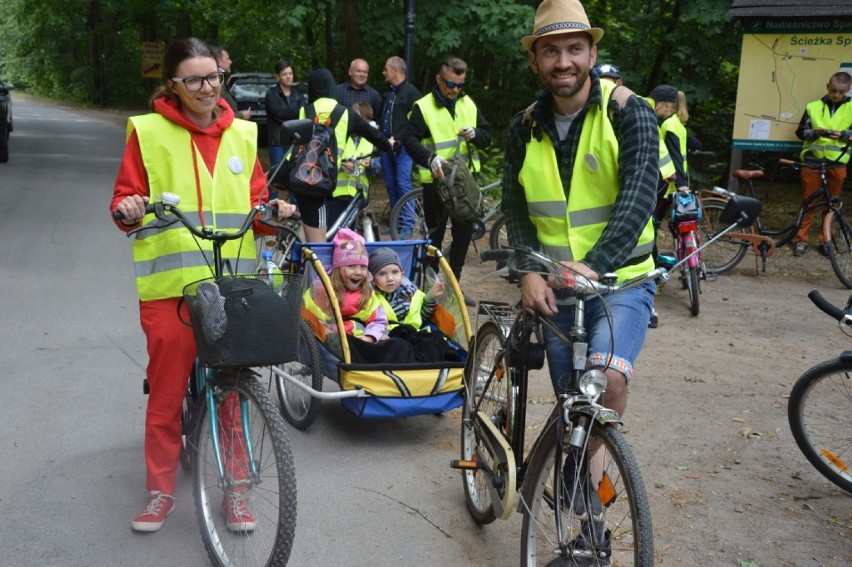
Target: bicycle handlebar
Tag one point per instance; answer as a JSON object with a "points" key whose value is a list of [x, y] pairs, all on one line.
{"points": [[571, 281], [169, 214], [827, 307]]}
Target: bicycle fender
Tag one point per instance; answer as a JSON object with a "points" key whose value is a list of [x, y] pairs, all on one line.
{"points": [[602, 415]]}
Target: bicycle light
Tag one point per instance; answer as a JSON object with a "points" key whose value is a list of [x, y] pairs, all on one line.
{"points": [[593, 383]]}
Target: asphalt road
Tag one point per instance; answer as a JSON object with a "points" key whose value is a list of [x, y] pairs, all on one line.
{"points": [[72, 359]]}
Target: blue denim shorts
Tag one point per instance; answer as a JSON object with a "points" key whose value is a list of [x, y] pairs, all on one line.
{"points": [[631, 311]]}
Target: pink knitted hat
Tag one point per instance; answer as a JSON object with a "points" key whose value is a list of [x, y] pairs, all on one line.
{"points": [[349, 249]]}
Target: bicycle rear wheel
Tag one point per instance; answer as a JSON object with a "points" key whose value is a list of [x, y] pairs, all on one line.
{"points": [[693, 286], [603, 510], [726, 252], [407, 215], [485, 384], [838, 247], [299, 407], [258, 472], [820, 415]]}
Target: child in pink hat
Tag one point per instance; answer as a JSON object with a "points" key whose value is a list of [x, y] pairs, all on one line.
{"points": [[364, 319]]}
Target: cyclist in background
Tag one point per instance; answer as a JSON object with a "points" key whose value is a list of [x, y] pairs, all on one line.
{"points": [[825, 126], [191, 145], [555, 139]]}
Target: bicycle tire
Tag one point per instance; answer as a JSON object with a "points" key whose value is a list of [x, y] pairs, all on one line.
{"points": [[693, 286], [395, 221], [726, 252], [271, 497], [625, 520], [498, 238], [820, 416], [486, 352], [299, 407], [838, 248], [187, 409]]}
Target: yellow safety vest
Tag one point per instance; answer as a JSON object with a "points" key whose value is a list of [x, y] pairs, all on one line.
{"points": [[674, 125], [824, 147], [345, 180], [168, 259], [569, 229], [444, 131], [358, 321], [412, 318]]}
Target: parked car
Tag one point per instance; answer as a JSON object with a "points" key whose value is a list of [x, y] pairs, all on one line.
{"points": [[6, 122], [249, 90]]}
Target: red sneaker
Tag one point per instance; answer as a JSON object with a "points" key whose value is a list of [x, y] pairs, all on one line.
{"points": [[237, 515], [154, 515]]}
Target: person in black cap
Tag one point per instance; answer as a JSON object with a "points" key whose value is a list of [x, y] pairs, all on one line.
{"points": [[322, 95]]}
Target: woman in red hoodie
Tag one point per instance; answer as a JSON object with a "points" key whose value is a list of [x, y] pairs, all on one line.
{"points": [[191, 145]]}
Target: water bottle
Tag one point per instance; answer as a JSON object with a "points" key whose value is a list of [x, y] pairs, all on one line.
{"points": [[269, 272]]}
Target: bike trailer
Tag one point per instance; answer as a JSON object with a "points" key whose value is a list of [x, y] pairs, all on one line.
{"points": [[393, 390]]}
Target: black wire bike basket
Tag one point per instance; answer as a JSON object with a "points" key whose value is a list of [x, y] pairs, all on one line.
{"points": [[245, 320]]}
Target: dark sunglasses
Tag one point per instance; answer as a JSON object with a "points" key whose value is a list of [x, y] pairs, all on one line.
{"points": [[452, 84]]}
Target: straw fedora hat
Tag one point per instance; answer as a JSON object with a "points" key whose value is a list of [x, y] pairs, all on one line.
{"points": [[560, 16]]}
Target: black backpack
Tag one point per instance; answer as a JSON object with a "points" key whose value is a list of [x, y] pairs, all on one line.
{"points": [[313, 164], [458, 192]]}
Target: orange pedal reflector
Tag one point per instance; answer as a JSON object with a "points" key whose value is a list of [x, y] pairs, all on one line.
{"points": [[465, 465]]}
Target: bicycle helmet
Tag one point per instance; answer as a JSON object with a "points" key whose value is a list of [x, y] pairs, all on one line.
{"points": [[607, 70]]}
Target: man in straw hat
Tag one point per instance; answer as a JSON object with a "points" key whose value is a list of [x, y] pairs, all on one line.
{"points": [[579, 183]]}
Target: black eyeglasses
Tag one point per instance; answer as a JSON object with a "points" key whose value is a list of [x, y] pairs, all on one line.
{"points": [[193, 84], [452, 84]]}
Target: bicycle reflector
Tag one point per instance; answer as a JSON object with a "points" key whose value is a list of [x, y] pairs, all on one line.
{"points": [[593, 383], [687, 226]]}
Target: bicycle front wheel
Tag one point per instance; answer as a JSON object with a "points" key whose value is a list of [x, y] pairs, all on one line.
{"points": [[486, 388], [726, 252], [838, 247], [246, 509], [820, 415], [298, 406], [595, 512]]}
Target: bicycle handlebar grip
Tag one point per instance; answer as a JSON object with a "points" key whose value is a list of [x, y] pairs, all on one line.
{"points": [[825, 306], [118, 215], [783, 161], [497, 255]]}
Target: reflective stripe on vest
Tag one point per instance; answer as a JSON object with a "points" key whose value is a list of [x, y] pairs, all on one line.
{"points": [[345, 180], [568, 230], [323, 108], [444, 131], [167, 259], [675, 126], [824, 147]]}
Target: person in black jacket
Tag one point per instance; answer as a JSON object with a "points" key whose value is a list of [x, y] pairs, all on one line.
{"points": [[397, 167], [322, 95], [282, 103]]}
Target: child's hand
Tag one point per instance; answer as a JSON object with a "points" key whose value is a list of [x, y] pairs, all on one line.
{"points": [[368, 339], [437, 290]]}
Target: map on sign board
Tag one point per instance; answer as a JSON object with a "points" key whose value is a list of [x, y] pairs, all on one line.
{"points": [[784, 66]]}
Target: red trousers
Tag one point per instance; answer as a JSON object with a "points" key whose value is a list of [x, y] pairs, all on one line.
{"points": [[810, 184], [171, 353]]}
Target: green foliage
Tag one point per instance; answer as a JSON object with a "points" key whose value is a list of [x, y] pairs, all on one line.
{"points": [[692, 44]]}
